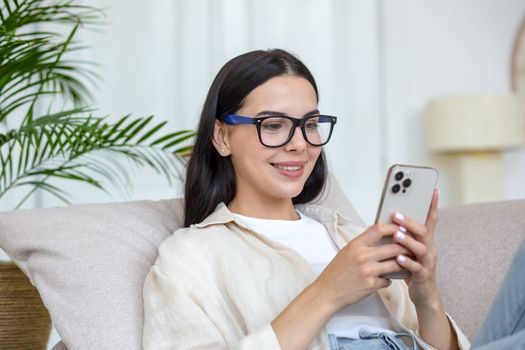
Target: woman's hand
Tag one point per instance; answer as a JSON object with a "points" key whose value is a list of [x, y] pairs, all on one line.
{"points": [[356, 270], [354, 273], [422, 265]]}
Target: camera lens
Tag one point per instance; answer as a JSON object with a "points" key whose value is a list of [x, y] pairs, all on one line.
{"points": [[396, 188], [407, 183], [399, 175]]}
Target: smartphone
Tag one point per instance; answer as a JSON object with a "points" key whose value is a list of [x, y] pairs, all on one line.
{"points": [[408, 189]]}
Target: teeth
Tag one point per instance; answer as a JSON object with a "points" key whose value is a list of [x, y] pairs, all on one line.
{"points": [[288, 168]]}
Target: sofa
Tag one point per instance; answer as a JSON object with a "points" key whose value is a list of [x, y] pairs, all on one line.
{"points": [[88, 262]]}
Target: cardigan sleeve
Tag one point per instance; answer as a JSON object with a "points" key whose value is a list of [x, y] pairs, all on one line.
{"points": [[173, 319], [464, 343]]}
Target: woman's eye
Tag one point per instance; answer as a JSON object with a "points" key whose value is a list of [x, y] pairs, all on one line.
{"points": [[311, 126], [272, 126]]}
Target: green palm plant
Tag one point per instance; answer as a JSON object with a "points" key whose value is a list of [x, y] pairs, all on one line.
{"points": [[69, 142]]}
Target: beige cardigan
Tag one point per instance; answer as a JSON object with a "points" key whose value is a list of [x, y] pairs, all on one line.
{"points": [[219, 285]]}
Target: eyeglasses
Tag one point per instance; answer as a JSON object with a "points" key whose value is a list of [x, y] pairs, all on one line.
{"points": [[277, 131]]}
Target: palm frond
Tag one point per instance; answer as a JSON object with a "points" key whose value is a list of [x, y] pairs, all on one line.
{"points": [[32, 63], [58, 145], [70, 144]]}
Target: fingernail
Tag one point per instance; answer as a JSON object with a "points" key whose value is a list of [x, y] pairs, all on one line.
{"points": [[400, 235], [401, 259], [402, 229], [399, 216]]}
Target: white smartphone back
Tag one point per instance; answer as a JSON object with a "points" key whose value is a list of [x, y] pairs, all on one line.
{"points": [[408, 190], [413, 200]]}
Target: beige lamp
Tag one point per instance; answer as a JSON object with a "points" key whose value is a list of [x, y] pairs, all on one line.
{"points": [[474, 131]]}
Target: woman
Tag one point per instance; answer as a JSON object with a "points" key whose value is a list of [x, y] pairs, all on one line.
{"points": [[257, 268]]}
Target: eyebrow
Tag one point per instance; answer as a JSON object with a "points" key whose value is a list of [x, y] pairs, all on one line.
{"points": [[275, 113]]}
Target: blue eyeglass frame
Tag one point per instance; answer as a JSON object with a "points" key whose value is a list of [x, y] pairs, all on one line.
{"points": [[232, 119]]}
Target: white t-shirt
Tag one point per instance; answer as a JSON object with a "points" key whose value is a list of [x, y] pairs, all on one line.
{"points": [[311, 240]]}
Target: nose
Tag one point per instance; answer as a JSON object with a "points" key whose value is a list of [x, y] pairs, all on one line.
{"points": [[297, 142]]}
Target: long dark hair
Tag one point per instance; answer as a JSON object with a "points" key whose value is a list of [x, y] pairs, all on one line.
{"points": [[210, 178]]}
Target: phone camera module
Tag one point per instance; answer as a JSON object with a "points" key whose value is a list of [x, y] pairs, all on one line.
{"points": [[407, 183], [399, 176], [396, 188]]}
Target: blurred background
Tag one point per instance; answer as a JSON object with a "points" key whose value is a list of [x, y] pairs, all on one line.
{"points": [[380, 66]]}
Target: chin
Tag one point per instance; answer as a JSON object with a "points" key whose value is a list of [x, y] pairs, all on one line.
{"points": [[291, 191], [286, 188]]}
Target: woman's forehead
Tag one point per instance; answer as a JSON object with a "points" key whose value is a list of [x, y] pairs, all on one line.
{"points": [[286, 94]]}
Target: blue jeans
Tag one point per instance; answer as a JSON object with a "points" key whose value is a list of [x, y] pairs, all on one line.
{"points": [[504, 326], [372, 341]]}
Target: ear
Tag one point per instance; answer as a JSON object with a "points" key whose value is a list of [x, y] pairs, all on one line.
{"points": [[221, 139]]}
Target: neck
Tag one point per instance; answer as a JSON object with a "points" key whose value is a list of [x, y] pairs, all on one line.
{"points": [[264, 209]]}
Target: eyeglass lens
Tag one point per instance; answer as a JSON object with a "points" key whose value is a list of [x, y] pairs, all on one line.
{"points": [[276, 130]]}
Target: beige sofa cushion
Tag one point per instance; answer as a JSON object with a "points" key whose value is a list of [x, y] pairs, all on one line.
{"points": [[89, 263], [475, 245]]}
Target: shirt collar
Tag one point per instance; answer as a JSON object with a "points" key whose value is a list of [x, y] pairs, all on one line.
{"points": [[221, 215], [329, 217]]}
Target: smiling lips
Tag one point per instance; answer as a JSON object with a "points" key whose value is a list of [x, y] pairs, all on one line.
{"points": [[290, 169]]}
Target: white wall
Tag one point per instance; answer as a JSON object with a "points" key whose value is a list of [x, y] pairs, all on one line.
{"points": [[376, 63], [436, 48], [160, 58]]}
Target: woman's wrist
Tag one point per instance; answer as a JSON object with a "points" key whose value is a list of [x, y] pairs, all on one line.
{"points": [[322, 298], [430, 310], [435, 327], [430, 302]]}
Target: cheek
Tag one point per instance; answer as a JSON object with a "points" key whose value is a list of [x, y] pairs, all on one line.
{"points": [[249, 154], [314, 153], [243, 141]]}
